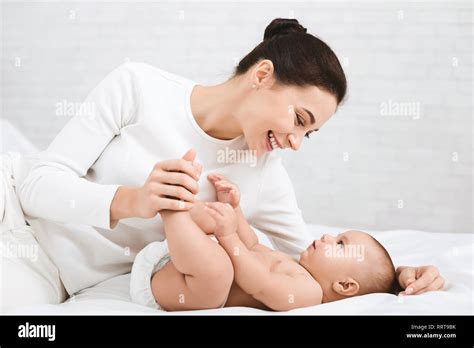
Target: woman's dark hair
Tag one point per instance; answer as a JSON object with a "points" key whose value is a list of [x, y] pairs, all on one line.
{"points": [[299, 58]]}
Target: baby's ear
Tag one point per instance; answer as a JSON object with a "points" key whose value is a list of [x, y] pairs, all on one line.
{"points": [[347, 287]]}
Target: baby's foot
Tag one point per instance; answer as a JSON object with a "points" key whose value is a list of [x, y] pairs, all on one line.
{"points": [[226, 191]]}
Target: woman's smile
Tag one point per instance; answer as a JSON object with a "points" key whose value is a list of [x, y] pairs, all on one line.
{"points": [[272, 142]]}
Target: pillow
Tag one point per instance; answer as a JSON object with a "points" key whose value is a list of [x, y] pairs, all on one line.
{"points": [[28, 276]]}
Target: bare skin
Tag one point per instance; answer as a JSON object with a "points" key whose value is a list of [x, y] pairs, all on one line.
{"points": [[262, 278], [239, 271], [252, 105]]}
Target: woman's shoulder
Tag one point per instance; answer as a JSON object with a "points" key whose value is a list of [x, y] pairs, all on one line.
{"points": [[148, 72]]}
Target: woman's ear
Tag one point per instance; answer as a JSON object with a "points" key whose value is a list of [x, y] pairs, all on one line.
{"points": [[263, 73], [346, 287]]}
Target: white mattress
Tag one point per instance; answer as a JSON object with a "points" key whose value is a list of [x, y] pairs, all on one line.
{"points": [[451, 253]]}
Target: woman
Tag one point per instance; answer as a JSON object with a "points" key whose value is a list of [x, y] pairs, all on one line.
{"points": [[93, 196]]}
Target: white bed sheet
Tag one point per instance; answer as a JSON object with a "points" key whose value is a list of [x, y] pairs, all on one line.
{"points": [[451, 253]]}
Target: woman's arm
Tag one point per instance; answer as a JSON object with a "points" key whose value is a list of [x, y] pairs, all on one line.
{"points": [[55, 188], [122, 205]]}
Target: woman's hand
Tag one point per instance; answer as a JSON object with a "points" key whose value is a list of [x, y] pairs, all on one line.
{"points": [[171, 185], [225, 217], [417, 280]]}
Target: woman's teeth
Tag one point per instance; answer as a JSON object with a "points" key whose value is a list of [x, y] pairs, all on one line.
{"points": [[272, 140]]}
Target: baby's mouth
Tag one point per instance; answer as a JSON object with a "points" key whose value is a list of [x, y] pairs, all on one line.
{"points": [[312, 246]]}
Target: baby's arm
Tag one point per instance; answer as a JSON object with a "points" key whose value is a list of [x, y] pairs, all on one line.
{"points": [[276, 290], [245, 232]]}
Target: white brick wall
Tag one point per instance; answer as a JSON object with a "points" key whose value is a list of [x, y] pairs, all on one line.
{"points": [[394, 52]]}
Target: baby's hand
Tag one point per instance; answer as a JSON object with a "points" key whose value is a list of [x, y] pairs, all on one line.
{"points": [[226, 191], [225, 217]]}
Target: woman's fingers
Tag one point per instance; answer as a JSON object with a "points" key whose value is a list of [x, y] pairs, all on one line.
{"points": [[171, 185], [174, 191], [425, 276], [198, 166], [436, 284], [407, 276], [179, 179], [190, 155], [172, 204], [181, 165]]}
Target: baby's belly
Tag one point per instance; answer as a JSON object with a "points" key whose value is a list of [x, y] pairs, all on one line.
{"points": [[239, 298]]}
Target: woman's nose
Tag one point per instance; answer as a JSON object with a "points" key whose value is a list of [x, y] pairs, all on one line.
{"points": [[294, 142]]}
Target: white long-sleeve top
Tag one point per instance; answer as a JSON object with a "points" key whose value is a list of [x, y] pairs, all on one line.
{"points": [[137, 116]]}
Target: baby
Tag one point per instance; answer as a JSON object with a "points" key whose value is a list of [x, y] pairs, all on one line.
{"points": [[192, 271]]}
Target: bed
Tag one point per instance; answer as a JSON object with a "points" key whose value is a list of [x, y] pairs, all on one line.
{"points": [[451, 253]]}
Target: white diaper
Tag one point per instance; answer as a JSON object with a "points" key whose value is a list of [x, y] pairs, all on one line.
{"points": [[148, 261]]}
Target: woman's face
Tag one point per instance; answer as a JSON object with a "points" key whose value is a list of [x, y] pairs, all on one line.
{"points": [[284, 113]]}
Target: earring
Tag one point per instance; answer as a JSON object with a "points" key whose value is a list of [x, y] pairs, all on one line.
{"points": [[253, 86]]}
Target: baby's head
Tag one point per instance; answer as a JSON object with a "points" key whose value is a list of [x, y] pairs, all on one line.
{"points": [[352, 263]]}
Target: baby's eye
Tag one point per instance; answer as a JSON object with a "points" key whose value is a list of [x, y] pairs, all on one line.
{"points": [[341, 243]]}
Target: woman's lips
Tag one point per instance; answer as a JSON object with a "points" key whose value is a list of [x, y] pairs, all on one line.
{"points": [[276, 140], [267, 143]]}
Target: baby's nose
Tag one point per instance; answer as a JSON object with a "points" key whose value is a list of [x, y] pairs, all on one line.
{"points": [[327, 238]]}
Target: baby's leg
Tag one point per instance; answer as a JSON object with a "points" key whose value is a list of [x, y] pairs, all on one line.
{"points": [[200, 273]]}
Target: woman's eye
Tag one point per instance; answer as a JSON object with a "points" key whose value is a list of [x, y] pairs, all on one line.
{"points": [[299, 120], [341, 243]]}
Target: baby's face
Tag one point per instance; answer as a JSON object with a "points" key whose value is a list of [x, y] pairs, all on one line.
{"points": [[332, 258]]}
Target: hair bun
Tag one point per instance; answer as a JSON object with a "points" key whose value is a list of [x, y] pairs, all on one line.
{"points": [[282, 26]]}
